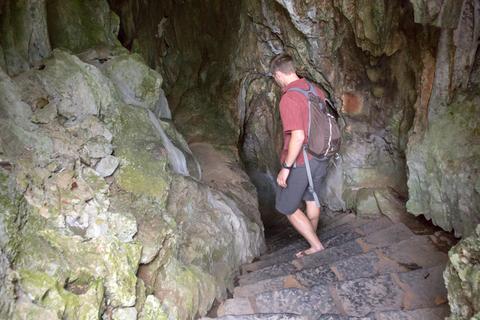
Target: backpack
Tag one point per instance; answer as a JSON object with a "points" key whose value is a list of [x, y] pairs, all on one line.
{"points": [[324, 135]]}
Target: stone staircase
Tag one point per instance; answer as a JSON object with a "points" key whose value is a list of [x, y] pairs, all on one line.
{"points": [[371, 269]]}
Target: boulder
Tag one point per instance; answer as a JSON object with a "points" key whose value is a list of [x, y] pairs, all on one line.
{"points": [[152, 310], [138, 84], [442, 171], [462, 277], [107, 166], [79, 90]]}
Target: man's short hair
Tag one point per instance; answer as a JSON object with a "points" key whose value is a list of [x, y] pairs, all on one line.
{"points": [[282, 63]]}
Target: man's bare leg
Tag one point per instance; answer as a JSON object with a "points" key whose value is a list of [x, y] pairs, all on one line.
{"points": [[303, 225], [313, 214]]}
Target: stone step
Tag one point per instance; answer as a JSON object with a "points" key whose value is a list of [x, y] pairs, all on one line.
{"points": [[331, 238], [262, 316], [414, 253], [298, 243], [382, 238], [288, 234], [423, 288], [437, 313]]}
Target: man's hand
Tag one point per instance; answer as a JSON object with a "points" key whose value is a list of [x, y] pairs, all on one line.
{"points": [[282, 177]]}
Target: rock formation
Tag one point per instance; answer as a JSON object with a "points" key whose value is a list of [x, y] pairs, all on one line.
{"points": [[103, 210], [128, 129]]}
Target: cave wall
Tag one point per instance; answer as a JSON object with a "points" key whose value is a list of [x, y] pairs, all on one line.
{"points": [[103, 209], [405, 75], [393, 67]]}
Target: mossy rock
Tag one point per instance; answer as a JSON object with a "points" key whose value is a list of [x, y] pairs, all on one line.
{"points": [[13, 212], [138, 84], [143, 169], [23, 34], [78, 25], [462, 278], [68, 259], [152, 310], [185, 290], [72, 83], [76, 301], [443, 172]]}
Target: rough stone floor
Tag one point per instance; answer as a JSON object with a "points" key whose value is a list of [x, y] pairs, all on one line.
{"points": [[371, 269]]}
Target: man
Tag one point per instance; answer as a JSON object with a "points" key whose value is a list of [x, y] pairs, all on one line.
{"points": [[292, 179]]}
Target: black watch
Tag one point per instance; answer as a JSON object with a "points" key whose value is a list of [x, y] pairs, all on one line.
{"points": [[284, 165]]}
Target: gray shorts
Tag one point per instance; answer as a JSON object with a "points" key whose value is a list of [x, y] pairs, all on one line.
{"points": [[288, 199]]}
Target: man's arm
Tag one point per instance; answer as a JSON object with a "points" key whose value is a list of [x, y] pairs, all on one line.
{"points": [[294, 148]]}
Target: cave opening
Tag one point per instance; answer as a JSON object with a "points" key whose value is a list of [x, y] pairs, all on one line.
{"points": [[214, 81]]}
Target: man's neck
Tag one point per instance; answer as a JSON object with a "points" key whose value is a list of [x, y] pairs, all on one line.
{"points": [[290, 78]]}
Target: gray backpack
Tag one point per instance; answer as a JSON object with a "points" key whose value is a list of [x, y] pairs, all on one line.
{"points": [[324, 135]]}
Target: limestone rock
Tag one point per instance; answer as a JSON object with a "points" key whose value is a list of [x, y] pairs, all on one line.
{"points": [[152, 310], [85, 238], [66, 258], [123, 225], [78, 89], [78, 25], [462, 277], [46, 114], [24, 34], [27, 310], [107, 166], [124, 314], [185, 290], [19, 134], [98, 147], [138, 84], [212, 205], [442, 171], [366, 204], [12, 213], [438, 12], [82, 300], [144, 164]]}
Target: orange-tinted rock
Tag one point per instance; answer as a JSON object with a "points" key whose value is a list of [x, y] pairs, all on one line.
{"points": [[352, 103]]}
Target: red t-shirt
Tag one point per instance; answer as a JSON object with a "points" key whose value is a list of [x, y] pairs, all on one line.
{"points": [[294, 115]]}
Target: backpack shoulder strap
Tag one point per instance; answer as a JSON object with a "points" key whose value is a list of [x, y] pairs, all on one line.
{"points": [[311, 89]]}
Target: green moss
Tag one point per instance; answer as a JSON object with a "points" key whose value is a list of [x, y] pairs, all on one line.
{"points": [[83, 303], [144, 161], [153, 310], [190, 290], [68, 258], [78, 25], [13, 211], [442, 171]]}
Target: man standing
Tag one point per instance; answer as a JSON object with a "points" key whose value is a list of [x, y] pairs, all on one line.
{"points": [[292, 179]]}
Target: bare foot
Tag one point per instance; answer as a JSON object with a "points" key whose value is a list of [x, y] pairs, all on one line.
{"points": [[309, 251]]}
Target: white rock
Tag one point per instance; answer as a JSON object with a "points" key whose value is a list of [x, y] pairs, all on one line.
{"points": [[98, 147], [152, 309], [123, 225], [124, 314], [107, 166]]}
